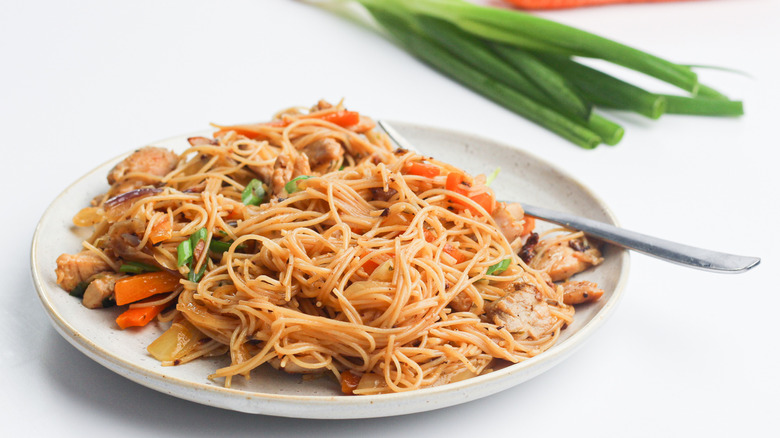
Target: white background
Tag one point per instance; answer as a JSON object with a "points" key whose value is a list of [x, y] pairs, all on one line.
{"points": [[687, 353]]}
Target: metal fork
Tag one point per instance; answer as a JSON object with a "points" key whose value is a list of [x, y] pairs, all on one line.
{"points": [[663, 249]]}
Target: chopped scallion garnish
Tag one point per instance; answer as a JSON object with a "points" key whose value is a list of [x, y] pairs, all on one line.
{"points": [[499, 267], [78, 291], [184, 253], [196, 276], [254, 193], [131, 267], [490, 178], [197, 236], [292, 186], [220, 246]]}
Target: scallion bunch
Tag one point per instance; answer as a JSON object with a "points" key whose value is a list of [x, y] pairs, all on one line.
{"points": [[532, 66]]}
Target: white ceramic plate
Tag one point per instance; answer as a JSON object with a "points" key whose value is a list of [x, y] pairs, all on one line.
{"points": [[93, 332]]}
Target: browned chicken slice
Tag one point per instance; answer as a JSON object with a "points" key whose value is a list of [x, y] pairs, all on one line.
{"points": [[73, 269], [285, 169], [509, 219], [564, 259], [100, 288], [150, 160], [364, 125], [522, 311], [323, 151], [124, 238], [202, 141], [578, 292]]}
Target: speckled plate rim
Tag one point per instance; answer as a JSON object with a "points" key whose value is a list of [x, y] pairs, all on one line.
{"points": [[335, 406]]}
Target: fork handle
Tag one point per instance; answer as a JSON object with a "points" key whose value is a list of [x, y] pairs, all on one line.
{"points": [[652, 246]]}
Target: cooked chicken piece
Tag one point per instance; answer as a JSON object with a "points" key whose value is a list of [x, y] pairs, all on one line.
{"points": [[264, 172], [564, 259], [73, 269], [461, 303], [321, 105], [509, 218], [522, 311], [199, 141], [124, 238], [150, 160], [578, 292], [100, 288], [323, 151], [364, 125], [286, 169]]}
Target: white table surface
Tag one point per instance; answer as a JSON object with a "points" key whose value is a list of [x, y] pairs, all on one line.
{"points": [[687, 353]]}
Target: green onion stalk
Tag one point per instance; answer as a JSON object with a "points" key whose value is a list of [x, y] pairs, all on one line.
{"points": [[532, 66]]}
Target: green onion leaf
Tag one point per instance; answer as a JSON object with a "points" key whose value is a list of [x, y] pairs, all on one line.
{"points": [[220, 246], [196, 276], [78, 291], [108, 302], [292, 186], [254, 193], [196, 237], [490, 178], [131, 267], [184, 253], [499, 267]]}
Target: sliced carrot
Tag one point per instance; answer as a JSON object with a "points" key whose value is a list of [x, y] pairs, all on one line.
{"points": [[429, 236], [341, 118], [529, 223], [456, 183], [370, 265], [563, 4], [137, 287], [255, 131], [425, 170], [485, 200], [162, 230], [139, 316], [455, 253]]}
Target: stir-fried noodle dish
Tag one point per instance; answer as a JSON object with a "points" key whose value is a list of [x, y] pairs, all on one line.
{"points": [[310, 244]]}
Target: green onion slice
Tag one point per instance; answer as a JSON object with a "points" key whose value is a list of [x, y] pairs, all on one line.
{"points": [[254, 193], [196, 276], [499, 267], [292, 186], [78, 291], [220, 246], [184, 253], [490, 178], [131, 267], [196, 237]]}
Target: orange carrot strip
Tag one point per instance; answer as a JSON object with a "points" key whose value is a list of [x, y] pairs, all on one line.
{"points": [[563, 4], [529, 223], [370, 265], [422, 169], [341, 118], [485, 200], [455, 253], [255, 131], [137, 287], [161, 230], [455, 183], [139, 316]]}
